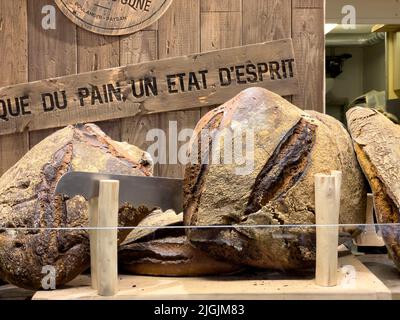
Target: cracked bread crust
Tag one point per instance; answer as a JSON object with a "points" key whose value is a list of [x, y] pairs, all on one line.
{"points": [[27, 201], [284, 168], [290, 147], [167, 252], [377, 144]]}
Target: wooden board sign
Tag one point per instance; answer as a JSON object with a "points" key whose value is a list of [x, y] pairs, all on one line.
{"points": [[113, 17], [180, 83]]}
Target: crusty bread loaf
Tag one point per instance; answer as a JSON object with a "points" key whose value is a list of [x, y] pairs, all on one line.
{"points": [[151, 249], [340, 138], [377, 144], [27, 200], [290, 147], [171, 256]]}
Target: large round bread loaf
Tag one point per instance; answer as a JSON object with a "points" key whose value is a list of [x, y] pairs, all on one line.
{"points": [[28, 205], [377, 144], [290, 147]]}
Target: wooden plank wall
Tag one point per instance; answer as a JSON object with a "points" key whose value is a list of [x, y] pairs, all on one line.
{"points": [[31, 53], [14, 69]]}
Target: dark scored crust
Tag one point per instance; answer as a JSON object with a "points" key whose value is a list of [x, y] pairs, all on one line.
{"points": [[284, 168], [195, 173], [290, 147], [281, 172], [27, 200]]}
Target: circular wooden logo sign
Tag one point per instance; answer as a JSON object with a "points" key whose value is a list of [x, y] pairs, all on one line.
{"points": [[113, 17]]}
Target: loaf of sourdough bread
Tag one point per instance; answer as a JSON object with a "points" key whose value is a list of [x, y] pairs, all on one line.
{"points": [[28, 205], [289, 146], [377, 143]]}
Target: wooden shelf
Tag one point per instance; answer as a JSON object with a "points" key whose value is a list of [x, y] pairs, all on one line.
{"points": [[263, 286], [385, 270], [10, 292]]}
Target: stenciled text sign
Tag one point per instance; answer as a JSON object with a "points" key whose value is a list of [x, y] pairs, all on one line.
{"points": [[179, 83]]}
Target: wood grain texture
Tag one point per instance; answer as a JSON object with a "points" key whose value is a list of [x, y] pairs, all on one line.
{"points": [[309, 44], [220, 30], [139, 47], [222, 5], [93, 212], [97, 52], [308, 4], [113, 18], [87, 94], [205, 110], [179, 34], [12, 148], [112, 128], [187, 27], [385, 270], [10, 292], [106, 247], [38, 135], [327, 207], [14, 69], [265, 20], [263, 286], [51, 52], [134, 130], [217, 29], [13, 39]]}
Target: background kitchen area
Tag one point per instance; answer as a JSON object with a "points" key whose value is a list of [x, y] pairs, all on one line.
{"points": [[363, 60]]}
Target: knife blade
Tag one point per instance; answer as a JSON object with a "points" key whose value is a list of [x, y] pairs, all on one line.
{"points": [[165, 193]]}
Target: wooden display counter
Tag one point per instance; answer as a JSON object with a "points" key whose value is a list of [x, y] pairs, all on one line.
{"points": [[261, 286], [10, 292], [385, 270]]}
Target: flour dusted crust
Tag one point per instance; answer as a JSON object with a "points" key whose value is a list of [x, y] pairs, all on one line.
{"points": [[341, 143], [27, 200], [377, 144], [290, 147]]}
